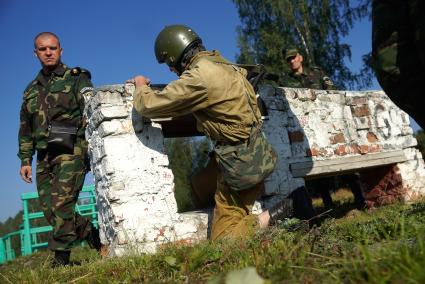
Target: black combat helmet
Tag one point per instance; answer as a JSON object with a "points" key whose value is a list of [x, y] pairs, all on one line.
{"points": [[171, 43]]}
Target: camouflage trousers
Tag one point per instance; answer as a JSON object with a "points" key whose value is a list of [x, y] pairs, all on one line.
{"points": [[59, 181], [232, 212], [398, 52]]}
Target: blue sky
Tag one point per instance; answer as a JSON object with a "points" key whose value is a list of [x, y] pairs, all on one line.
{"points": [[114, 40]]}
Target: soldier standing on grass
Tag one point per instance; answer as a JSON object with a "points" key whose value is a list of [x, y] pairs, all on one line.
{"points": [[52, 123], [314, 78], [224, 105], [398, 52]]}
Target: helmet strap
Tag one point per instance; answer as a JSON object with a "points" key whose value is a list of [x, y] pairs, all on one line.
{"points": [[190, 51]]}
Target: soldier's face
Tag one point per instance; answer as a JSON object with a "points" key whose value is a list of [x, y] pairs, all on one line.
{"points": [[295, 62], [48, 51]]}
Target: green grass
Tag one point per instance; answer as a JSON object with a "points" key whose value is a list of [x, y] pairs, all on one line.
{"points": [[385, 245]]}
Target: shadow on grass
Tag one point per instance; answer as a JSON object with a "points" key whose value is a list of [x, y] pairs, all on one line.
{"points": [[344, 206]]}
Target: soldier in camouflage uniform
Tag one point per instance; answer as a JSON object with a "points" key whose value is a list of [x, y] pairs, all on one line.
{"points": [[217, 93], [56, 95], [398, 52], [304, 77], [315, 78]]}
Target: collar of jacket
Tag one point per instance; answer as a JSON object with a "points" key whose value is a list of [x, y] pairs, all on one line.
{"points": [[214, 55], [58, 71]]}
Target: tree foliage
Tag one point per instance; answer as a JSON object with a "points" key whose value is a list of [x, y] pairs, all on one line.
{"points": [[315, 27], [11, 225], [186, 156], [15, 223]]}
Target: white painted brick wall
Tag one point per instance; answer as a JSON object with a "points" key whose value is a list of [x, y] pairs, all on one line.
{"points": [[320, 116], [137, 209]]}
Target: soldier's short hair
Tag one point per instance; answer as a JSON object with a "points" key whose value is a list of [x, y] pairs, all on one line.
{"points": [[46, 34]]}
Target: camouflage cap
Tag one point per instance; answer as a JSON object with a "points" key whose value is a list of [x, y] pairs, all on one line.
{"points": [[290, 52]]}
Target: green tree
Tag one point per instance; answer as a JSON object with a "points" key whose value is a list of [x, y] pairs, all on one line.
{"points": [[15, 223], [186, 156], [11, 225], [200, 158], [180, 157], [315, 27]]}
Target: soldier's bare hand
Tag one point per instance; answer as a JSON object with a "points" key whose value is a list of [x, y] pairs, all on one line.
{"points": [[26, 173], [139, 81]]}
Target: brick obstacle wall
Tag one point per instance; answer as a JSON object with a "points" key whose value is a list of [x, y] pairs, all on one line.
{"points": [[316, 133], [321, 133], [135, 189]]}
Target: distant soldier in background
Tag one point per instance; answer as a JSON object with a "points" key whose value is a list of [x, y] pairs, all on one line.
{"points": [[314, 78], [398, 52], [52, 124], [302, 76]]}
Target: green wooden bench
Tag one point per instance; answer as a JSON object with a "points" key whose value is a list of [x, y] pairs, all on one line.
{"points": [[29, 235]]}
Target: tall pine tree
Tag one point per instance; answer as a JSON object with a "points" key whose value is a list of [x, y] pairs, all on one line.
{"points": [[315, 27]]}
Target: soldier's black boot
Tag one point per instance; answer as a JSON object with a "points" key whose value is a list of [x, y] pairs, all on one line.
{"points": [[354, 183], [358, 196], [326, 197], [281, 210], [61, 258], [93, 239], [303, 205]]}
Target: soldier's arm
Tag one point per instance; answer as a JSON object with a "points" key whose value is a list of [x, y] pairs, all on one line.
{"points": [[83, 91], [25, 140], [26, 145], [83, 87], [185, 95]]}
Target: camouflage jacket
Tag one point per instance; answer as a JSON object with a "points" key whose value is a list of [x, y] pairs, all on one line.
{"points": [[63, 93], [215, 91], [313, 78]]}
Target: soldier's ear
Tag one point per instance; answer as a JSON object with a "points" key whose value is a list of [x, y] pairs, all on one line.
{"points": [[301, 57], [35, 53]]}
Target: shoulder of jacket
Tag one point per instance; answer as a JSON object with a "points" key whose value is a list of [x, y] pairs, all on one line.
{"points": [[30, 86], [290, 74], [77, 71], [317, 71]]}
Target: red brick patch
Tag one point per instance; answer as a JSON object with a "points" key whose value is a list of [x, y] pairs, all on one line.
{"points": [[382, 185], [337, 138], [371, 137], [312, 152], [359, 101], [354, 149], [364, 149], [341, 150], [374, 148], [360, 111], [323, 152]]}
